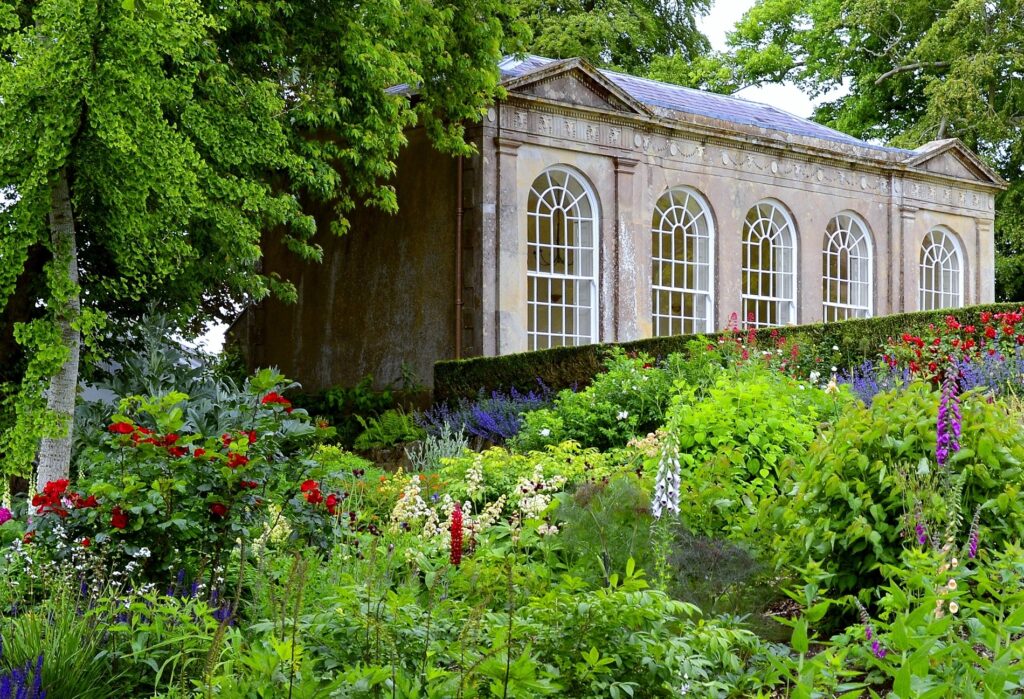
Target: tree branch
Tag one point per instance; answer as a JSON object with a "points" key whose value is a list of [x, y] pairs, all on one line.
{"points": [[909, 67]]}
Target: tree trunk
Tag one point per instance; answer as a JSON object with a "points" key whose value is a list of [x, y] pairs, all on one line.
{"points": [[55, 452]]}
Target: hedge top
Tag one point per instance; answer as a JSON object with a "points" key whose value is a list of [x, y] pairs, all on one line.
{"points": [[565, 367]]}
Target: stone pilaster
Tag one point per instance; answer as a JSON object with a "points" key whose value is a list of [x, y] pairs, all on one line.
{"points": [[626, 276], [510, 255]]}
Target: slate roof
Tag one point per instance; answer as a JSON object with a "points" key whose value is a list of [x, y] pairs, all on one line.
{"points": [[707, 104]]}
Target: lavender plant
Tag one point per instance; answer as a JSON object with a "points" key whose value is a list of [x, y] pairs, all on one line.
{"points": [[492, 419]]}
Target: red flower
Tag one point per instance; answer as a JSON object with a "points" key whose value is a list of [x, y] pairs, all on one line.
{"points": [[332, 502], [309, 485], [314, 497], [86, 542], [251, 434], [456, 533], [118, 518], [248, 485], [56, 488], [82, 503], [170, 439], [986, 316], [225, 439], [274, 398], [28, 537], [219, 509], [990, 332], [198, 453], [969, 329], [177, 452], [121, 428], [236, 460]]}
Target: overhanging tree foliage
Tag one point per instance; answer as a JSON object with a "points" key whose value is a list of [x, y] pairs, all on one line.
{"points": [[916, 70], [146, 149], [631, 35]]}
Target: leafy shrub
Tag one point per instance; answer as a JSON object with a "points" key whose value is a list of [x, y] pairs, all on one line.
{"points": [[343, 406], [391, 428], [849, 507], [732, 443], [629, 398]]}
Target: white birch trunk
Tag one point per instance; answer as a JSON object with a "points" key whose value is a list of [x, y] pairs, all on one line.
{"points": [[55, 452]]}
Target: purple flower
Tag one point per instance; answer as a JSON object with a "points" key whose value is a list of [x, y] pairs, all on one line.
{"points": [[5, 515], [972, 541], [878, 649], [922, 534], [947, 440]]}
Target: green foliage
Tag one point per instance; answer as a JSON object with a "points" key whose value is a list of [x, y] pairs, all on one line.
{"points": [[624, 34], [849, 504], [733, 443], [566, 367], [501, 470], [390, 428], [342, 407], [945, 627]]}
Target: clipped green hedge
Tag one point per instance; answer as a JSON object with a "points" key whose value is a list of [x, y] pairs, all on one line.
{"points": [[564, 367]]}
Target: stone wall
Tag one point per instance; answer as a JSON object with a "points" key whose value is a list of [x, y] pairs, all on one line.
{"points": [[384, 295]]}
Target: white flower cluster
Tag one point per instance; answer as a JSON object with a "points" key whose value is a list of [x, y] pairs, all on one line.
{"points": [[535, 493], [547, 530], [475, 478], [666, 482], [410, 506]]}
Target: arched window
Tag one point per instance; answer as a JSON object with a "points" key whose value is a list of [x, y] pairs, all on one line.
{"points": [[681, 264], [768, 267], [846, 269], [942, 271], [562, 261]]}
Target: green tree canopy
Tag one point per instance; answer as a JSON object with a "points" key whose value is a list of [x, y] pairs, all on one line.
{"points": [[916, 70], [147, 148], [626, 34]]}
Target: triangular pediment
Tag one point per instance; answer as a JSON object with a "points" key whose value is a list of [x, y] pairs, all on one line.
{"points": [[574, 81], [952, 158]]}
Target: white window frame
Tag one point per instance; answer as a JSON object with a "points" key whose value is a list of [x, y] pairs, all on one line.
{"points": [[772, 223], [938, 248], [557, 196], [675, 222], [847, 234]]}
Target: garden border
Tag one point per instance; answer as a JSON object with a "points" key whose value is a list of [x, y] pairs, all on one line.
{"points": [[565, 367]]}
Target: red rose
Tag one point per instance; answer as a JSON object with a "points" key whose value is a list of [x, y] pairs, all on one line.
{"points": [[236, 460], [309, 485], [986, 316], [332, 502], [314, 497], [219, 509], [86, 543], [121, 428], [969, 329], [990, 332], [118, 518]]}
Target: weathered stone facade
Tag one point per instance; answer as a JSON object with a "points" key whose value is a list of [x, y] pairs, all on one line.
{"points": [[386, 293]]}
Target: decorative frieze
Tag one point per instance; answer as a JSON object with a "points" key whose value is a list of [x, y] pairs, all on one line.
{"points": [[590, 129]]}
